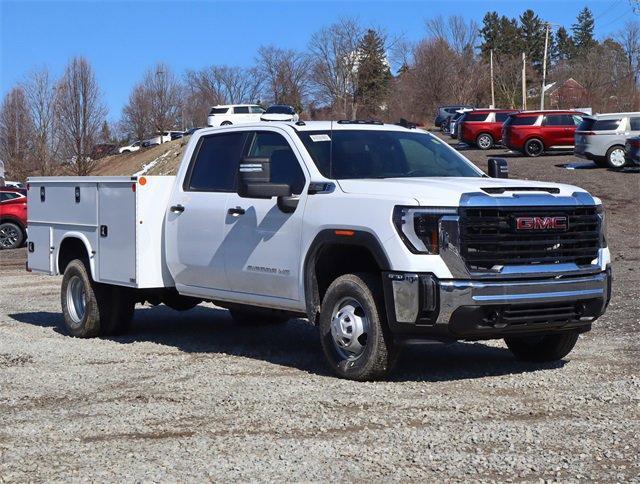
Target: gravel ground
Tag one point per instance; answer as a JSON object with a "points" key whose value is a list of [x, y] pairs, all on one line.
{"points": [[190, 396]]}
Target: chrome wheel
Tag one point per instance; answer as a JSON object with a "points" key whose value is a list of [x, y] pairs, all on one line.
{"points": [[76, 300], [9, 236], [349, 328], [616, 158], [484, 142]]}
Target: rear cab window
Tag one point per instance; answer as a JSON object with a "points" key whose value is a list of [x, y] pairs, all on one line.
{"points": [[241, 110], [635, 123]]}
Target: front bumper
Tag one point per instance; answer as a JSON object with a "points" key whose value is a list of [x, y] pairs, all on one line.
{"points": [[422, 306]]}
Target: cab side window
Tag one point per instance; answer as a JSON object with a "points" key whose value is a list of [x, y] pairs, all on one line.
{"points": [[285, 167], [214, 163]]}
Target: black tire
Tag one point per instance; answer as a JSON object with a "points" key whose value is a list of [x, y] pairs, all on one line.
{"points": [[11, 235], [484, 141], [226, 123], [379, 353], [533, 147], [252, 316], [106, 309], [551, 347], [611, 156]]}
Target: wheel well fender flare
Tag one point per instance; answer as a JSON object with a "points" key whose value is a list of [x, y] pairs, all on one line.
{"points": [[87, 245], [360, 238]]}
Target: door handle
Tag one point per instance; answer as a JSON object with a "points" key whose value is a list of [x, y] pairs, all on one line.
{"points": [[235, 212], [177, 208]]}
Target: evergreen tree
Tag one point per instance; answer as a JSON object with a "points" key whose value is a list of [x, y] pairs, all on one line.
{"points": [[501, 34], [490, 33], [583, 31], [374, 75], [564, 47], [105, 132], [532, 36]]}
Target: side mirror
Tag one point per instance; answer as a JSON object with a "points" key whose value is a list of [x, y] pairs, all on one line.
{"points": [[254, 180], [498, 168]]}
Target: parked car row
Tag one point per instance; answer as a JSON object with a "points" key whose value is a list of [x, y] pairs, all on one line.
{"points": [[160, 138], [606, 139], [228, 114]]}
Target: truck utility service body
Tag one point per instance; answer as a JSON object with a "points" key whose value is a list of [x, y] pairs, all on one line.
{"points": [[317, 220]]}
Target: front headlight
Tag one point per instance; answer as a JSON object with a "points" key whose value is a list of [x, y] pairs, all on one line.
{"points": [[603, 226], [418, 227]]}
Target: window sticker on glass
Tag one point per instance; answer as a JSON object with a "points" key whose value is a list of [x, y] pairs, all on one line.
{"points": [[319, 137]]}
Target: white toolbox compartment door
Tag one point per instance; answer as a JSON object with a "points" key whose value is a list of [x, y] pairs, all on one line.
{"points": [[39, 248], [116, 233]]}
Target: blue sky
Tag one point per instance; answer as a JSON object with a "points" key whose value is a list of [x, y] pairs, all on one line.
{"points": [[123, 39]]}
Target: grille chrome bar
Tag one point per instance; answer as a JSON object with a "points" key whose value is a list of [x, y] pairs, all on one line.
{"points": [[488, 237]]}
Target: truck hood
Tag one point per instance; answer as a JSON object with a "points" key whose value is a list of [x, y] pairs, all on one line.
{"points": [[446, 191]]}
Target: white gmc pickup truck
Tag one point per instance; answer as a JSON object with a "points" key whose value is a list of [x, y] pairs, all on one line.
{"points": [[380, 235]]}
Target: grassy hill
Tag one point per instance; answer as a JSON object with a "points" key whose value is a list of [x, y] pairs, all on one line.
{"points": [[157, 160]]}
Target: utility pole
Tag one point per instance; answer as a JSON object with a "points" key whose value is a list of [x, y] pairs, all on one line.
{"points": [[544, 68], [524, 81], [493, 96]]}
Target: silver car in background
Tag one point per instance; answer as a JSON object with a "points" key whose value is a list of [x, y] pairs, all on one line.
{"points": [[601, 137]]}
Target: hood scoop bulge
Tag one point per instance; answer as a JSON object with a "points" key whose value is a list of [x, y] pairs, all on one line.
{"points": [[499, 190]]}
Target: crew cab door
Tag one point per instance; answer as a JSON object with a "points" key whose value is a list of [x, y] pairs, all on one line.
{"points": [[262, 242], [195, 219]]}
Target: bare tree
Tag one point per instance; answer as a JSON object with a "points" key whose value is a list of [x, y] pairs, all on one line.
{"points": [[629, 39], [136, 115], [286, 75], [460, 35], [200, 95], [219, 85], [165, 96], [80, 114], [334, 59], [16, 134], [40, 93]]}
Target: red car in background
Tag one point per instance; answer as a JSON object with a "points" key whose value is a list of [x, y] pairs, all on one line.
{"points": [[534, 132], [483, 127], [13, 218]]}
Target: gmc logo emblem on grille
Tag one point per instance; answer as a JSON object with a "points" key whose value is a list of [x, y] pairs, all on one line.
{"points": [[542, 223]]}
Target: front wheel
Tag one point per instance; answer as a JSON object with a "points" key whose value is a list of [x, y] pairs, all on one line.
{"points": [[615, 158], [551, 347], [484, 141], [533, 147], [355, 339]]}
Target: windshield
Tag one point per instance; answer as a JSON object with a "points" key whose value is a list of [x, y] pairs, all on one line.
{"points": [[357, 154]]}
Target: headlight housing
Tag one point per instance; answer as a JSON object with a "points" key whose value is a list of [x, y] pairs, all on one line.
{"points": [[418, 227], [603, 226]]}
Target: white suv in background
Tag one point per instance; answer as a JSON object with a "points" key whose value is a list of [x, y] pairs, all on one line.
{"points": [[224, 115]]}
